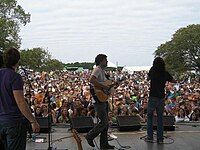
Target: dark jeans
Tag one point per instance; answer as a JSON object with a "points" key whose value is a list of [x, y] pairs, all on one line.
{"points": [[13, 136], [157, 104], [1, 145], [102, 125]]}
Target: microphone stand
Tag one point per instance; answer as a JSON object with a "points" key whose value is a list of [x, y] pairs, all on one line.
{"points": [[28, 102], [29, 82], [49, 105], [49, 118]]}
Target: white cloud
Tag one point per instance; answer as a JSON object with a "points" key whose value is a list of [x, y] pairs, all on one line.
{"points": [[128, 31]]}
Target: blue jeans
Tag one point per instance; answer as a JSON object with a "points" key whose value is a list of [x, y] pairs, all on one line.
{"points": [[157, 104], [13, 136], [102, 125]]}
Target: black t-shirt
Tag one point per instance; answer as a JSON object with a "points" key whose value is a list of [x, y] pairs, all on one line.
{"points": [[9, 81], [157, 84]]}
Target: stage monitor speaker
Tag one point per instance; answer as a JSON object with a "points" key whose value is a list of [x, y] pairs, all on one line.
{"points": [[82, 124], [168, 123], [128, 123], [43, 122]]}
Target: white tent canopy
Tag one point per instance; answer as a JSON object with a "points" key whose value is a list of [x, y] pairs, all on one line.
{"points": [[110, 64], [131, 69]]}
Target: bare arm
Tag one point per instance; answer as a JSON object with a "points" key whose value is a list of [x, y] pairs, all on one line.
{"points": [[23, 106]]}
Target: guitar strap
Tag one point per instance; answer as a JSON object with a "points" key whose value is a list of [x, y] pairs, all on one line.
{"points": [[107, 76], [93, 94]]}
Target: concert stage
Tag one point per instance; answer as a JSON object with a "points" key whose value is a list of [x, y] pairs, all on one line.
{"points": [[185, 137]]}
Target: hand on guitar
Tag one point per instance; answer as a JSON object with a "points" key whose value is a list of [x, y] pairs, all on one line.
{"points": [[106, 87], [109, 87]]}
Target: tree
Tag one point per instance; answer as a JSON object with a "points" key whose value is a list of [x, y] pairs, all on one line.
{"points": [[35, 58], [172, 59], [182, 52], [85, 65], [39, 59], [12, 16], [53, 65]]}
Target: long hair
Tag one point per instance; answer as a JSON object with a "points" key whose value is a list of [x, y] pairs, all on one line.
{"points": [[158, 68], [99, 58], [11, 57]]}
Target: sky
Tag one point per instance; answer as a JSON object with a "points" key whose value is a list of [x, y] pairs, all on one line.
{"points": [[127, 31]]}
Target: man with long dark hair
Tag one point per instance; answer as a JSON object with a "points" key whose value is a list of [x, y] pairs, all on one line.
{"points": [[158, 77], [13, 105], [97, 78]]}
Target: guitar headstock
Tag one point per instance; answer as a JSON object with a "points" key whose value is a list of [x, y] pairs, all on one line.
{"points": [[77, 138]]}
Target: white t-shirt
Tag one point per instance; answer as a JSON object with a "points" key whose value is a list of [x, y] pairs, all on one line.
{"points": [[99, 73]]}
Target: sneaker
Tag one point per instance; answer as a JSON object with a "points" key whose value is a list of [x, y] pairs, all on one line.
{"points": [[90, 141], [107, 147], [148, 140]]}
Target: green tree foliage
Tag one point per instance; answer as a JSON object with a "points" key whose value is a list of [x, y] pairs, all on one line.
{"points": [[53, 65], [12, 16], [182, 52], [85, 65], [39, 59], [35, 58]]}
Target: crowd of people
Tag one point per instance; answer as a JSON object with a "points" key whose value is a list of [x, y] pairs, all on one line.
{"points": [[68, 93], [62, 95]]}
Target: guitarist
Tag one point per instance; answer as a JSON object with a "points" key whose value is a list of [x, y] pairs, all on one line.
{"points": [[96, 79]]}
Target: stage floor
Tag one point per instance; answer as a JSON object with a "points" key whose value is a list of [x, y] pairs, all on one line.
{"points": [[185, 137]]}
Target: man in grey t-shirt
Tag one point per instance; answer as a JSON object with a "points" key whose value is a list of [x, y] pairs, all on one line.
{"points": [[96, 79]]}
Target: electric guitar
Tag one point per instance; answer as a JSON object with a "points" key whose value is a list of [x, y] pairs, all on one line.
{"points": [[103, 94], [77, 138]]}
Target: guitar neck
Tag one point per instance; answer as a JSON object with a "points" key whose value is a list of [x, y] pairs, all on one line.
{"points": [[80, 146], [78, 139]]}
